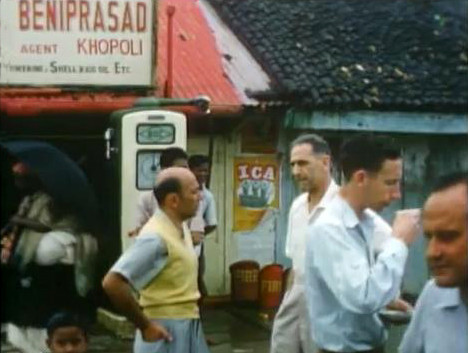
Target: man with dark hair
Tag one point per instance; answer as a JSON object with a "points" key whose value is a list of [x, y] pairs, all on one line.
{"points": [[440, 320], [204, 221], [347, 282], [170, 157], [310, 166], [162, 266], [198, 160], [173, 157]]}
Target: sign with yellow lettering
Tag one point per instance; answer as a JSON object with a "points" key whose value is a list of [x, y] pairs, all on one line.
{"points": [[256, 189]]}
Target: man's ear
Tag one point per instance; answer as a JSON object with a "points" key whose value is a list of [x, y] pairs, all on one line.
{"points": [[326, 161], [360, 177], [172, 200]]}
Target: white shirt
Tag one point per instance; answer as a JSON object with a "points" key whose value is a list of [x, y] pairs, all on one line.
{"points": [[205, 216], [347, 282], [146, 207], [299, 220], [56, 247]]}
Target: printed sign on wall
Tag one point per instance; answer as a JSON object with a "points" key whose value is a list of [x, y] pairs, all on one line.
{"points": [[77, 42], [256, 189]]}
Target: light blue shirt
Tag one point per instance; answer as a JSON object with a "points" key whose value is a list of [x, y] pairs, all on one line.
{"points": [[140, 264], [347, 282], [439, 323], [142, 261]]}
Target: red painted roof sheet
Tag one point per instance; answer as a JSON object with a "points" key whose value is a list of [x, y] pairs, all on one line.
{"points": [[197, 64]]}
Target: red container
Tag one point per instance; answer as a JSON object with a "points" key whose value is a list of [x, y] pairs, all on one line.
{"points": [[271, 286], [244, 281]]}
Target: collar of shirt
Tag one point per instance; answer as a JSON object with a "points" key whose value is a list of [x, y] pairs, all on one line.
{"points": [[364, 226], [300, 219], [450, 298], [351, 219], [330, 193]]}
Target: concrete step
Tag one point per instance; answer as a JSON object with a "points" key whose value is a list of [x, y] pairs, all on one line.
{"points": [[116, 324]]}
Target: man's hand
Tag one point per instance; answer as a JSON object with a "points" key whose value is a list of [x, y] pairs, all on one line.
{"points": [[154, 332], [406, 225], [197, 237], [400, 305]]}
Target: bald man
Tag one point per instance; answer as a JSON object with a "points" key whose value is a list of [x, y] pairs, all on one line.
{"points": [[440, 320], [162, 266]]}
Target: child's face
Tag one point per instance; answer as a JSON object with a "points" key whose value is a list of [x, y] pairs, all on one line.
{"points": [[68, 340]]}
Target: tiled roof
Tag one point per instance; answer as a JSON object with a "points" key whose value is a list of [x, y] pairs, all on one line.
{"points": [[348, 54]]}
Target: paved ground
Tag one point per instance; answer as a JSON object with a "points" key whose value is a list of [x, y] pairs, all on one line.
{"points": [[231, 329], [230, 333]]}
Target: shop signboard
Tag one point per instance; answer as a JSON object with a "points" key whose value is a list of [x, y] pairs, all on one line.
{"points": [[77, 42]]}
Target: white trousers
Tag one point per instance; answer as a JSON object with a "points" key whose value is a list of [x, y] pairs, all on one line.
{"points": [[291, 328]]}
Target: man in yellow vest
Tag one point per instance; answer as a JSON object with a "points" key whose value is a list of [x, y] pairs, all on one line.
{"points": [[162, 266]]}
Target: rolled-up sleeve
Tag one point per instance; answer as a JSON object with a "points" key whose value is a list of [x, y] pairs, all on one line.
{"points": [[142, 261], [358, 286]]}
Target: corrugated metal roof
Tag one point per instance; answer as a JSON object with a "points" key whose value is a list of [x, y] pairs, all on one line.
{"points": [[243, 70], [197, 64]]}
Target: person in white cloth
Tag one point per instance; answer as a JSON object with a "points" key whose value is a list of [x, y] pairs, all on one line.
{"points": [[43, 258], [347, 282], [310, 162]]}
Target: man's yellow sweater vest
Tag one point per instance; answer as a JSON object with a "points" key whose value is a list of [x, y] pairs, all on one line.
{"points": [[173, 293]]}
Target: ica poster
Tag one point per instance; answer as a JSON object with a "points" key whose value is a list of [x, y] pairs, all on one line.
{"points": [[256, 189]]}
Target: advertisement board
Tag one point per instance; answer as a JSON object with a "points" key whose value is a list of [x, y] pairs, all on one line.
{"points": [[256, 189], [77, 42]]}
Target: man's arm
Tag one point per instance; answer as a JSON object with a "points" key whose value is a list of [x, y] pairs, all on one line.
{"points": [[383, 232], [209, 229], [413, 340], [119, 291], [359, 288], [136, 268], [30, 223], [288, 248]]}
